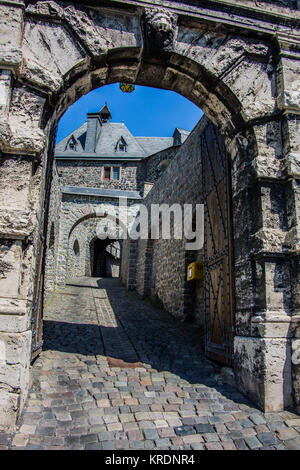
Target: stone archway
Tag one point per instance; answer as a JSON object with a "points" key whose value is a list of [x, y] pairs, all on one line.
{"points": [[83, 222], [245, 82]]}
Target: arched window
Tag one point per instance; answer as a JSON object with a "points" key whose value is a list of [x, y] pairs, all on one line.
{"points": [[76, 247]]}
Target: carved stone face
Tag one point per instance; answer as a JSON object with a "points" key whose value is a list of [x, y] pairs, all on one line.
{"points": [[161, 22]]}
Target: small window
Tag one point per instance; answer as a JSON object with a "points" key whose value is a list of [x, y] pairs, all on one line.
{"points": [[72, 144], [106, 173], [116, 173], [76, 248], [121, 145]]}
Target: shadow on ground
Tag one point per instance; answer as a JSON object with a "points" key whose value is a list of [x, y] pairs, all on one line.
{"points": [[158, 339]]}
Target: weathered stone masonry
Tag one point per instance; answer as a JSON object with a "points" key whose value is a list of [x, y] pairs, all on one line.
{"points": [[78, 173], [82, 217], [162, 264], [238, 63]]}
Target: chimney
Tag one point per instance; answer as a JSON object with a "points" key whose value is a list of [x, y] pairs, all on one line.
{"points": [[92, 132]]}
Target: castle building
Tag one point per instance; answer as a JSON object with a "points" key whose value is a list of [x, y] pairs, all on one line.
{"points": [[104, 154], [96, 165]]}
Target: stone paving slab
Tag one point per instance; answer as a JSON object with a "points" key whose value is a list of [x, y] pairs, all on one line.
{"points": [[118, 373]]}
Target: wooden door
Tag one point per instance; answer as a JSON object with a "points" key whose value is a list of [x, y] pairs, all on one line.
{"points": [[38, 293], [218, 256], [37, 311]]}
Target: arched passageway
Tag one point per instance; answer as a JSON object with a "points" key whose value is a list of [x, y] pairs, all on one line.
{"points": [[242, 83], [104, 258], [81, 220]]}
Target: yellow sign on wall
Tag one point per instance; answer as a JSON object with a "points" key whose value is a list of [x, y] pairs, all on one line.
{"points": [[195, 271]]}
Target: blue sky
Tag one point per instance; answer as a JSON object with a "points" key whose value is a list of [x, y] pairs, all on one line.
{"points": [[146, 111]]}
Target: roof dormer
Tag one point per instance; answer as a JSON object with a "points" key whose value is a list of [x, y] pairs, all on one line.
{"points": [[177, 137], [71, 144], [180, 136], [121, 145]]}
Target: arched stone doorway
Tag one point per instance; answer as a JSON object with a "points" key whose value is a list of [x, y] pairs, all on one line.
{"points": [[244, 86], [82, 222]]}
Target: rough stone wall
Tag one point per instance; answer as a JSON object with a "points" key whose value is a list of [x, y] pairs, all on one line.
{"points": [[82, 218], [144, 263], [162, 264], [89, 174], [22, 190], [76, 265], [125, 259], [128, 269], [79, 261], [154, 166], [169, 276]]}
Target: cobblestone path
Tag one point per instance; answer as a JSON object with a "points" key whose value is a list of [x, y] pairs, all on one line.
{"points": [[118, 373]]}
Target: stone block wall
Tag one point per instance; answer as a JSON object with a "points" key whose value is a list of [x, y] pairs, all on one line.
{"points": [[156, 164], [162, 264], [21, 200], [82, 218], [80, 251], [89, 174], [125, 259], [144, 262], [128, 269]]}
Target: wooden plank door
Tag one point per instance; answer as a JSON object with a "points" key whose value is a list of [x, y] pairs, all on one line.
{"points": [[38, 298], [218, 256], [38, 294]]}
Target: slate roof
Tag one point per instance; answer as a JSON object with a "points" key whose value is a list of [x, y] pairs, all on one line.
{"points": [[153, 145], [79, 135], [110, 136], [184, 133], [107, 139]]}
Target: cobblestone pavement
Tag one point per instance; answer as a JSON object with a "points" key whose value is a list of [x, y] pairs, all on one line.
{"points": [[118, 373]]}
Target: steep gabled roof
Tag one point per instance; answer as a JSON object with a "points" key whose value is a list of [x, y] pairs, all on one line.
{"points": [[110, 136], [79, 135], [182, 132], [153, 145]]}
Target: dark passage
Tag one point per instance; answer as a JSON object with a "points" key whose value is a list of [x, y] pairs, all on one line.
{"points": [[105, 258]]}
